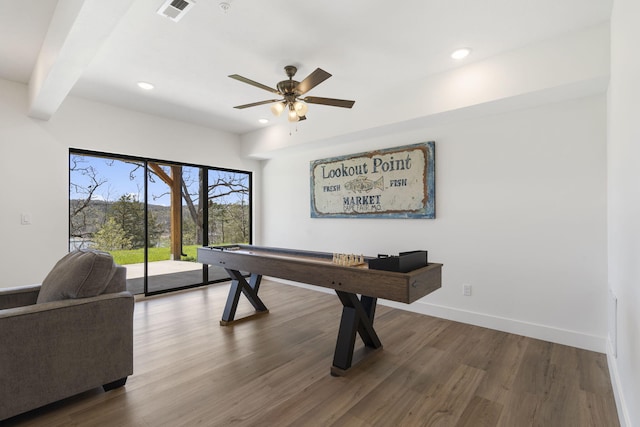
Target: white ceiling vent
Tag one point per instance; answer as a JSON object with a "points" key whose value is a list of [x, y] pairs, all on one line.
{"points": [[175, 9]]}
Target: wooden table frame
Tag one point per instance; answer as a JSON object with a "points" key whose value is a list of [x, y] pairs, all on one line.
{"points": [[316, 268]]}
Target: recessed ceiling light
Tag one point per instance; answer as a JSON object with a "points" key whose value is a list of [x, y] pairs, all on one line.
{"points": [[263, 121], [461, 53], [145, 85]]}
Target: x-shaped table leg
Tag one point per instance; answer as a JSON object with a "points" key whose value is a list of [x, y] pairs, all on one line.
{"points": [[357, 316], [250, 290]]}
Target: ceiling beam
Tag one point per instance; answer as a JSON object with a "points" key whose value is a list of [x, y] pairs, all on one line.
{"points": [[76, 32]]}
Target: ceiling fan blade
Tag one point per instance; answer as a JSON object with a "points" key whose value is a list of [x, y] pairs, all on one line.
{"points": [[269, 101], [329, 101], [252, 83], [311, 81]]}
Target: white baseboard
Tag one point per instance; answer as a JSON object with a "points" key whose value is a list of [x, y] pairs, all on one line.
{"points": [[621, 406], [532, 330], [513, 326]]}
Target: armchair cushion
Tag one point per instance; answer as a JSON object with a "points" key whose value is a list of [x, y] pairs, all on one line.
{"points": [[79, 274]]}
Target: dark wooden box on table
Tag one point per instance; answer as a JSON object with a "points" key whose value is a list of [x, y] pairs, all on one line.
{"points": [[403, 263]]}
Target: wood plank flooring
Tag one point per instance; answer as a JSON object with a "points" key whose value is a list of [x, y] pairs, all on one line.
{"points": [[274, 371]]}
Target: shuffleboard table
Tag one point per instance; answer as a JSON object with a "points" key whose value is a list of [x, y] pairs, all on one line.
{"points": [[318, 268]]}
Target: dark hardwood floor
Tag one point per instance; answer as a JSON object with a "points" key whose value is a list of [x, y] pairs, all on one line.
{"points": [[274, 371]]}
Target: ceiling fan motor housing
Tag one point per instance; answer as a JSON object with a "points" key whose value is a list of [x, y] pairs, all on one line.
{"points": [[287, 87]]}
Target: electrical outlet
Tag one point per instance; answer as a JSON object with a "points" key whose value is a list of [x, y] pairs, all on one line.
{"points": [[466, 290]]}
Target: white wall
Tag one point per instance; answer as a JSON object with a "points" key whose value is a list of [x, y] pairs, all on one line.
{"points": [[34, 168], [521, 216], [624, 205]]}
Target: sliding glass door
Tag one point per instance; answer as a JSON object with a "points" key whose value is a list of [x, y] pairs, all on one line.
{"points": [[174, 226], [152, 215], [229, 216]]}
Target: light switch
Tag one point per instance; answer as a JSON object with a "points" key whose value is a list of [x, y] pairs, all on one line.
{"points": [[466, 290], [25, 219]]}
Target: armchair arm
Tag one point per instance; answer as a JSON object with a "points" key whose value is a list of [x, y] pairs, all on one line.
{"points": [[17, 297], [54, 350]]}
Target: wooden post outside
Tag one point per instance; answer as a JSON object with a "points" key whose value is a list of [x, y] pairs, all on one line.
{"points": [[175, 186], [176, 212]]}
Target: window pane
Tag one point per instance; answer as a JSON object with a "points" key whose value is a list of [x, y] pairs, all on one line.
{"points": [[106, 211], [229, 218], [229, 208]]}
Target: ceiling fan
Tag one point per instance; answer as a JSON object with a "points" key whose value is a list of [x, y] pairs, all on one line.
{"points": [[292, 91]]}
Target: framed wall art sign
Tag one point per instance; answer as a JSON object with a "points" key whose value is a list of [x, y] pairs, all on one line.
{"points": [[391, 183]]}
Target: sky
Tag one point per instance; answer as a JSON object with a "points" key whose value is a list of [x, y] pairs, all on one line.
{"points": [[117, 176], [120, 178]]}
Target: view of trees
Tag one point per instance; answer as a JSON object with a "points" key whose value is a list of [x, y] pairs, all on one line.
{"points": [[106, 216], [124, 226]]}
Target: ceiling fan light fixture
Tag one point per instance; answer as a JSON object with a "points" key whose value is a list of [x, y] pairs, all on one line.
{"points": [[292, 116], [277, 109], [301, 108]]}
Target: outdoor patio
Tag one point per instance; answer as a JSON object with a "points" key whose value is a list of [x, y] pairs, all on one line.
{"points": [[164, 275]]}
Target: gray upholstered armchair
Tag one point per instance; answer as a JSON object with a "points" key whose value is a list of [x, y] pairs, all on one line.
{"points": [[69, 335]]}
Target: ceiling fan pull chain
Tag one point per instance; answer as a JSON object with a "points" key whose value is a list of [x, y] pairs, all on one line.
{"points": [[290, 127]]}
